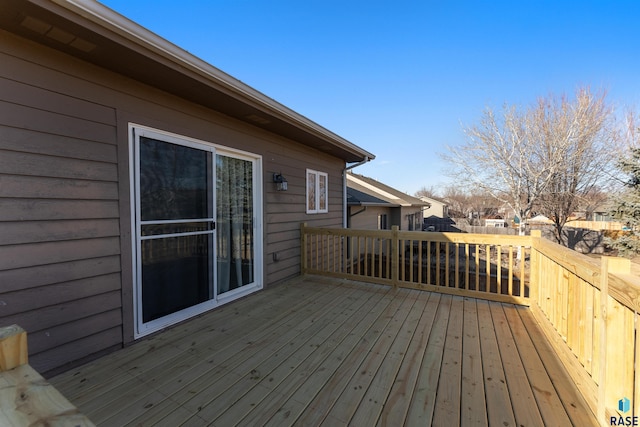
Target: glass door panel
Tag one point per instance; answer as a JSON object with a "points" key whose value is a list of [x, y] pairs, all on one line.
{"points": [[176, 227], [235, 223], [176, 274]]}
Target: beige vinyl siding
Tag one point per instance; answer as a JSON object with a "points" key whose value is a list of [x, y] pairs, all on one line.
{"points": [[368, 220], [65, 210]]}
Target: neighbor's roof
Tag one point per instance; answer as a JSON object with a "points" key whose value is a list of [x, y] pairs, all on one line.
{"points": [[360, 198], [432, 200], [92, 32], [381, 191]]}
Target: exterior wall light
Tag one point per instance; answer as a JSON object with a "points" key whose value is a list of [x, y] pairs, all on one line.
{"points": [[281, 182]]}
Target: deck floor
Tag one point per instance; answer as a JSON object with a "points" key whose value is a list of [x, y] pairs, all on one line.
{"points": [[319, 351]]}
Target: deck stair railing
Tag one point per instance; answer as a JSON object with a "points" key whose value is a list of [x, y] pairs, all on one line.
{"points": [[26, 398], [587, 308]]}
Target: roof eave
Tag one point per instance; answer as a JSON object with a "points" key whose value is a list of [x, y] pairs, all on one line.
{"points": [[260, 111]]}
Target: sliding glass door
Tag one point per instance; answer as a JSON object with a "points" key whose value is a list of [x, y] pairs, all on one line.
{"points": [[195, 228]]}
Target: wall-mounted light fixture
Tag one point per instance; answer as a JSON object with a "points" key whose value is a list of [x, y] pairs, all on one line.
{"points": [[281, 182]]}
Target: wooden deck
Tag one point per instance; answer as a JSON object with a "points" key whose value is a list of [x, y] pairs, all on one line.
{"points": [[320, 351]]}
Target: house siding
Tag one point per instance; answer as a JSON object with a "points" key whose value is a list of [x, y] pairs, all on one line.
{"points": [[65, 222], [368, 220]]}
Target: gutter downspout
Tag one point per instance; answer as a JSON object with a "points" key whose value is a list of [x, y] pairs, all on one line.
{"points": [[355, 165], [344, 188]]}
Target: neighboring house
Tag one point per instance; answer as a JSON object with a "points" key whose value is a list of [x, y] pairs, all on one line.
{"points": [[495, 221], [373, 205], [437, 208], [601, 213], [138, 183]]}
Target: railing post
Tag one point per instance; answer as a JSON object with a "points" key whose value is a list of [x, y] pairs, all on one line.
{"points": [[395, 256], [13, 347], [609, 332], [534, 268], [602, 374], [303, 248]]}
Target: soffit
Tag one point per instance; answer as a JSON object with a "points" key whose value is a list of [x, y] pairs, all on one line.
{"points": [[117, 44], [373, 187]]}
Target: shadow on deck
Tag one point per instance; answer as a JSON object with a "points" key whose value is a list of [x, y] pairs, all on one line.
{"points": [[321, 351]]}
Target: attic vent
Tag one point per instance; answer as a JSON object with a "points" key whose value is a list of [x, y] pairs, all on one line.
{"points": [[257, 119], [57, 34]]}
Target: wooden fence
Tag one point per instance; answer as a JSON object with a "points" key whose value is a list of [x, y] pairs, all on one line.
{"points": [[587, 309], [595, 225]]}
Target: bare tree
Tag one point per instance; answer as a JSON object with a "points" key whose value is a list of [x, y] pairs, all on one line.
{"points": [[469, 203], [521, 156], [458, 201], [583, 132], [499, 156], [594, 199], [430, 192]]}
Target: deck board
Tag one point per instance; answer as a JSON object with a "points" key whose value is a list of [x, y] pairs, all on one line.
{"points": [[397, 404], [473, 406], [447, 409], [499, 407], [524, 405], [423, 398], [320, 351]]}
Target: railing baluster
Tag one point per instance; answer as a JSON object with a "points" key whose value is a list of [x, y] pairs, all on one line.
{"points": [[420, 263], [499, 269], [487, 268], [380, 258], [411, 261], [510, 271], [429, 262], [522, 266], [365, 241], [401, 248], [457, 272], [447, 258], [466, 266], [387, 257], [477, 262], [438, 264]]}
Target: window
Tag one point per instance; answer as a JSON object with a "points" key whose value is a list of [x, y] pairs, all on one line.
{"points": [[411, 221], [382, 222], [317, 192]]}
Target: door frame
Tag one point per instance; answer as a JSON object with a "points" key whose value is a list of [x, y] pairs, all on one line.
{"points": [[136, 131]]}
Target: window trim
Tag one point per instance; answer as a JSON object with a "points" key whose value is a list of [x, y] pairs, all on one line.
{"points": [[383, 221], [313, 200]]}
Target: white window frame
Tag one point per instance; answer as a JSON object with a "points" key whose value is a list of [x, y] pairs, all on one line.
{"points": [[314, 187], [383, 222]]}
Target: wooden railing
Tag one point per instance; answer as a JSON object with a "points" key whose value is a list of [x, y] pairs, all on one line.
{"points": [[587, 308], [26, 399], [479, 265]]}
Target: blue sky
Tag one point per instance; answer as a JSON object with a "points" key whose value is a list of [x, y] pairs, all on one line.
{"points": [[401, 78]]}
